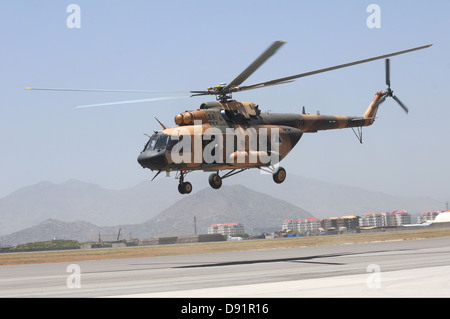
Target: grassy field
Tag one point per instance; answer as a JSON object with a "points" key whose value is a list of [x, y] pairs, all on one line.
{"points": [[185, 249]]}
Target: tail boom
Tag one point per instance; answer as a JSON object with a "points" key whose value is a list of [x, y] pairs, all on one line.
{"points": [[312, 123]]}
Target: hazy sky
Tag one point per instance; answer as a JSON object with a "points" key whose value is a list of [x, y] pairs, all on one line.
{"points": [[190, 45]]}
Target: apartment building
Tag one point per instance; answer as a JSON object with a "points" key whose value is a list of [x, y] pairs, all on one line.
{"points": [[226, 229], [395, 218], [426, 216], [301, 225], [372, 220], [398, 218]]}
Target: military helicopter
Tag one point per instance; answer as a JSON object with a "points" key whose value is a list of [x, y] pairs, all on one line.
{"points": [[233, 136]]}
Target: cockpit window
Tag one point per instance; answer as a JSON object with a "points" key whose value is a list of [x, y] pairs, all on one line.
{"points": [[157, 141], [151, 143], [162, 141]]}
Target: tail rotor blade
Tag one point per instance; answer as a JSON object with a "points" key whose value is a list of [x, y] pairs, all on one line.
{"points": [[389, 91], [400, 103], [388, 73]]}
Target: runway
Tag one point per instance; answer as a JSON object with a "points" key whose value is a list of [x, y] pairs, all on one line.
{"points": [[412, 268]]}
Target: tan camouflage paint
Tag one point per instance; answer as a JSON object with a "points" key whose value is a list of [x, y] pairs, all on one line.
{"points": [[288, 125]]}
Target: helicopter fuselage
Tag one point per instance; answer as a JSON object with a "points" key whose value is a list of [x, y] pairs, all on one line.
{"points": [[236, 135]]}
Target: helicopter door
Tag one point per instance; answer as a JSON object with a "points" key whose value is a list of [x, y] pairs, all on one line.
{"points": [[181, 149]]}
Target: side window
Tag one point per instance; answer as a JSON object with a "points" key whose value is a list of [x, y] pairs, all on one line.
{"points": [[152, 143]]}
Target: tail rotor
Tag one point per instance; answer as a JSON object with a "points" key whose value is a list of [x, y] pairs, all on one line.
{"points": [[389, 91]]}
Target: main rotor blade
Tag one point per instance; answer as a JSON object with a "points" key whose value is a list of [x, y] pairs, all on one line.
{"points": [[258, 86], [104, 90], [293, 77], [198, 93], [400, 103], [135, 101], [255, 65]]}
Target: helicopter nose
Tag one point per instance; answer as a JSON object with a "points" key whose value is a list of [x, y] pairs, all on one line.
{"points": [[152, 160]]}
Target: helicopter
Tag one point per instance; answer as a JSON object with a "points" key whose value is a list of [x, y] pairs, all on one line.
{"points": [[233, 136]]}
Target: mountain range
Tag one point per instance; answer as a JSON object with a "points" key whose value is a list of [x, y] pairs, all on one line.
{"points": [[256, 211], [152, 208]]}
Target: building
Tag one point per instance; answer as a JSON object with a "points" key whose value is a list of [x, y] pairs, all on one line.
{"points": [[226, 229], [330, 223], [301, 225], [395, 218], [372, 220], [426, 216], [308, 225], [443, 217], [347, 222], [288, 225]]}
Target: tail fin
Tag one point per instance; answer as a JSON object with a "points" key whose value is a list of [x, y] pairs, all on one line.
{"points": [[371, 111]]}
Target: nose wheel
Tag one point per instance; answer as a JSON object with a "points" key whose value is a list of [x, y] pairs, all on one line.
{"points": [[184, 187], [279, 176]]}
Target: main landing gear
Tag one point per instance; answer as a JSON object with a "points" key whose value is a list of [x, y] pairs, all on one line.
{"points": [[215, 180], [185, 188]]}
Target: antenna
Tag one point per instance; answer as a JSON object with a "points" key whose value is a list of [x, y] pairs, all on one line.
{"points": [[195, 225]]}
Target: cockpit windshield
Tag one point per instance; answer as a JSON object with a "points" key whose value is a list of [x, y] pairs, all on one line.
{"points": [[151, 143], [158, 141], [162, 142]]}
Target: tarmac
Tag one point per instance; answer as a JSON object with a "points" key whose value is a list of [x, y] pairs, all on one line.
{"points": [[404, 268]]}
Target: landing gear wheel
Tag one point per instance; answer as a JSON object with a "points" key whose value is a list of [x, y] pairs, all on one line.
{"points": [[280, 175], [181, 188], [185, 188], [215, 181]]}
